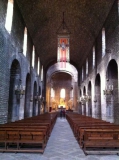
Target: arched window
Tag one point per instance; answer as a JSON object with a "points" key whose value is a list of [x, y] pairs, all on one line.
{"points": [[103, 42], [33, 56], [9, 16], [87, 66], [62, 93], [52, 93], [93, 56], [38, 66], [42, 73], [25, 42]]}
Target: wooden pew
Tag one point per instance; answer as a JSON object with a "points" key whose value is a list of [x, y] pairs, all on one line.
{"points": [[92, 128], [94, 133], [101, 139], [28, 135], [15, 140]]}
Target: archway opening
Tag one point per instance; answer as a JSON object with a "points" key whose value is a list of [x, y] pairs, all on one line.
{"points": [[63, 81], [35, 100], [84, 104], [89, 101], [98, 96], [112, 109], [27, 97], [14, 101]]}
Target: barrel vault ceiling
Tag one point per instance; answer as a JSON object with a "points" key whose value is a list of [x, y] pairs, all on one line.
{"points": [[84, 19]]}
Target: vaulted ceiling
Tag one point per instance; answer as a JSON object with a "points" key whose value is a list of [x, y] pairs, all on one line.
{"points": [[84, 19]]}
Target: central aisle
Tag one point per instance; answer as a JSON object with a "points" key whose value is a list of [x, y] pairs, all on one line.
{"points": [[62, 143]]}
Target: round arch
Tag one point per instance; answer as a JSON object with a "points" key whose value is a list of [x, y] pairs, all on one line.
{"points": [[84, 104], [27, 96], [112, 109], [90, 100], [112, 70], [14, 100], [34, 99], [71, 90], [98, 96]]}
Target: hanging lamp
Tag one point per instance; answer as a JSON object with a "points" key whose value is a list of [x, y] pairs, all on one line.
{"points": [[63, 44]]}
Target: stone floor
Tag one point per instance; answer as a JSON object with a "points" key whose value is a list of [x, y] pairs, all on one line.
{"points": [[61, 146]]}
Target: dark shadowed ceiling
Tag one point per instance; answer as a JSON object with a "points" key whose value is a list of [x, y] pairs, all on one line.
{"points": [[84, 19]]}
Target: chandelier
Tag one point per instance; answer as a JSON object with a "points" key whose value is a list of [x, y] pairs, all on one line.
{"points": [[83, 99], [108, 89], [19, 90], [39, 98]]}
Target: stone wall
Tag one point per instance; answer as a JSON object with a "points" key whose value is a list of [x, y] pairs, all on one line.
{"points": [[112, 52], [11, 47]]}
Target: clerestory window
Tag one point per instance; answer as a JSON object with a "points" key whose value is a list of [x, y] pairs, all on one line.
{"points": [[62, 93], [93, 56], [25, 42], [103, 42], [38, 66], [33, 56], [9, 16], [87, 66]]}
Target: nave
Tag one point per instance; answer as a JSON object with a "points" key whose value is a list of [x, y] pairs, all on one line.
{"points": [[61, 145]]}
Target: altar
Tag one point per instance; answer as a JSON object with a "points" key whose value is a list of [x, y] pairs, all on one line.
{"points": [[61, 106]]}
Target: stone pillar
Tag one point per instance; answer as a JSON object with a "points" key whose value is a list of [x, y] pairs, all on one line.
{"points": [[98, 104], [109, 108], [103, 98], [31, 109], [93, 100], [39, 107], [115, 101], [75, 97], [83, 110], [21, 108], [90, 108], [87, 108], [36, 108]]}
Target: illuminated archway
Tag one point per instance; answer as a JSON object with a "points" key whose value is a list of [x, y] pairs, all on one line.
{"points": [[62, 98]]}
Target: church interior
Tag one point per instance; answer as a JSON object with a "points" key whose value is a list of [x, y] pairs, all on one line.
{"points": [[59, 54]]}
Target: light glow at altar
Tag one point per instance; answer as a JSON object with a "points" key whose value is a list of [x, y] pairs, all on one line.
{"points": [[61, 106]]}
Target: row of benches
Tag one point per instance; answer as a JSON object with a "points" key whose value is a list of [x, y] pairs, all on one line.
{"points": [[94, 134], [27, 135]]}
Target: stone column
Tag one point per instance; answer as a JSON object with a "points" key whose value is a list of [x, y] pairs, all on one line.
{"points": [[83, 109], [31, 109], [39, 107], [87, 108], [75, 97], [36, 108], [103, 97], [21, 108]]}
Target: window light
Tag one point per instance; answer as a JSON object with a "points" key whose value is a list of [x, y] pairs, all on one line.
{"points": [[25, 42], [9, 16], [62, 93], [33, 56], [38, 66], [87, 67], [93, 56], [42, 73], [103, 42]]}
